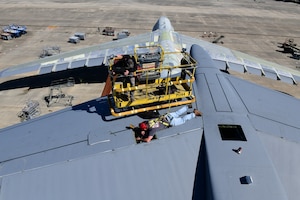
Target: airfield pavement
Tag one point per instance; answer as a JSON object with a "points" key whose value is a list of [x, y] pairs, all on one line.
{"points": [[254, 27]]}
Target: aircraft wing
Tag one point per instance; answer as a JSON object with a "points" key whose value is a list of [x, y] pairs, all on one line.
{"points": [[226, 58], [86, 57], [83, 152], [98, 54]]}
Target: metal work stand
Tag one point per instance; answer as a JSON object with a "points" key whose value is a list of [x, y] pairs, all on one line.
{"points": [[56, 95], [30, 110]]}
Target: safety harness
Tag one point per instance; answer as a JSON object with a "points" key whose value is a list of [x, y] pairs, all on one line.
{"points": [[162, 119]]}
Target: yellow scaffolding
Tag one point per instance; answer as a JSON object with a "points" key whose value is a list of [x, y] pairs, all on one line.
{"points": [[152, 91]]}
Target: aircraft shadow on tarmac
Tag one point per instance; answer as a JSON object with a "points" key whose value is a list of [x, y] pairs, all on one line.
{"points": [[80, 75]]}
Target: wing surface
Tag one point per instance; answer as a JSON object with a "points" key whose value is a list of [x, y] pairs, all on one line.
{"points": [[266, 110], [86, 57], [275, 116], [270, 121], [226, 58], [82, 152]]}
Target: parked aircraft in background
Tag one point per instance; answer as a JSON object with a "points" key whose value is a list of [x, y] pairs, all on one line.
{"points": [[245, 145]]}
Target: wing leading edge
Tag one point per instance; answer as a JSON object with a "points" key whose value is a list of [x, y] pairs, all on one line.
{"points": [[237, 61], [97, 55], [87, 57]]}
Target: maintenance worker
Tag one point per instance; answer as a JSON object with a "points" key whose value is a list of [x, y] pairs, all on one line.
{"points": [[147, 129], [127, 67], [131, 68]]}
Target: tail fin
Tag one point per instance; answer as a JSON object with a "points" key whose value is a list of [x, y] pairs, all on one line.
{"points": [[163, 23]]}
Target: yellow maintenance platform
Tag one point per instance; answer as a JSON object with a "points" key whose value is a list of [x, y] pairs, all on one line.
{"points": [[151, 84]]}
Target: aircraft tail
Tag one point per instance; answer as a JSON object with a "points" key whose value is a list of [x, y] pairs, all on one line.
{"points": [[163, 23], [201, 56]]}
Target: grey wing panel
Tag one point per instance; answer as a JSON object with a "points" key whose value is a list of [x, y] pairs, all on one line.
{"points": [[114, 174], [86, 57], [229, 59], [83, 148], [270, 111], [275, 118]]}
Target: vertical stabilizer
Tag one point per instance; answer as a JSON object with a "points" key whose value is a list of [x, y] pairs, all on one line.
{"points": [[163, 23]]}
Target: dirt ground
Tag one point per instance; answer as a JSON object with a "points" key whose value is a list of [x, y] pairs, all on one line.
{"points": [[253, 27]]}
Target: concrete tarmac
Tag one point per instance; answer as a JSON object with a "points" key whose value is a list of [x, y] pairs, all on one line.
{"points": [[254, 27]]}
